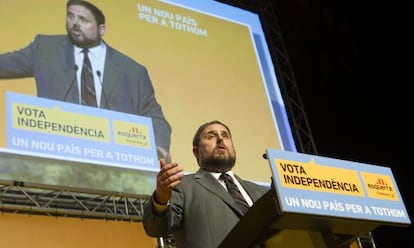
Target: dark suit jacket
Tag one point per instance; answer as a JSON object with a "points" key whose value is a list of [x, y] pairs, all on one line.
{"points": [[201, 211], [126, 84]]}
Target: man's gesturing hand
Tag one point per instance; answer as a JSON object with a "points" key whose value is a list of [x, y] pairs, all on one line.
{"points": [[168, 178]]}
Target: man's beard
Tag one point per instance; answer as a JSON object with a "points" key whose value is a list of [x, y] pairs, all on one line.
{"points": [[218, 163], [83, 43]]}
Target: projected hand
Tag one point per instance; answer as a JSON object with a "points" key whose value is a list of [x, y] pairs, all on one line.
{"points": [[163, 154], [168, 178]]}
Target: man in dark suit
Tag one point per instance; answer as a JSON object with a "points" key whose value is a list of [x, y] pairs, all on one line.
{"points": [[55, 60], [197, 208]]}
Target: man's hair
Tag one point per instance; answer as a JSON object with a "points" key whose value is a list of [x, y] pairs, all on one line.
{"points": [[99, 16], [197, 136]]}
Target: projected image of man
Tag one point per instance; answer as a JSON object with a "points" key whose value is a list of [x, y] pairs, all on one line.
{"points": [[117, 82]]}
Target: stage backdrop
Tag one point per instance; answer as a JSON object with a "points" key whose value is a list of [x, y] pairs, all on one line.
{"points": [[207, 61]]}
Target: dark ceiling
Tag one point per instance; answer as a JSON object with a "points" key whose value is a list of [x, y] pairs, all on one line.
{"points": [[351, 62]]}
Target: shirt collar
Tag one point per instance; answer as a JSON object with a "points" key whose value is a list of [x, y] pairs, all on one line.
{"points": [[217, 174], [96, 51]]}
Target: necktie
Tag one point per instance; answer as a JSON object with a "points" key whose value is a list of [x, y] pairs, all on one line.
{"points": [[88, 95], [235, 192]]}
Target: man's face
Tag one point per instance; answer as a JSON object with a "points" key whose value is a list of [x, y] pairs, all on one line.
{"points": [[82, 28], [215, 151]]}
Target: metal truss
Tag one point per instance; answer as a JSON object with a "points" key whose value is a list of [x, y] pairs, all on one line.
{"points": [[290, 91], [361, 241], [39, 199]]}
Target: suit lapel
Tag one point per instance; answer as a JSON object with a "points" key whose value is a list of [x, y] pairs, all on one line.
{"points": [[211, 184], [70, 72], [111, 75]]}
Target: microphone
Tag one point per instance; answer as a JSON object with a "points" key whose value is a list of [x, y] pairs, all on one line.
{"points": [[98, 72], [75, 69]]}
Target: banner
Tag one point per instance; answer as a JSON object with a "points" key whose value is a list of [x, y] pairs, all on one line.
{"points": [[308, 184], [61, 130]]}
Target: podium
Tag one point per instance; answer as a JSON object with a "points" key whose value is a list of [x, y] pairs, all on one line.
{"points": [[262, 226], [304, 213]]}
